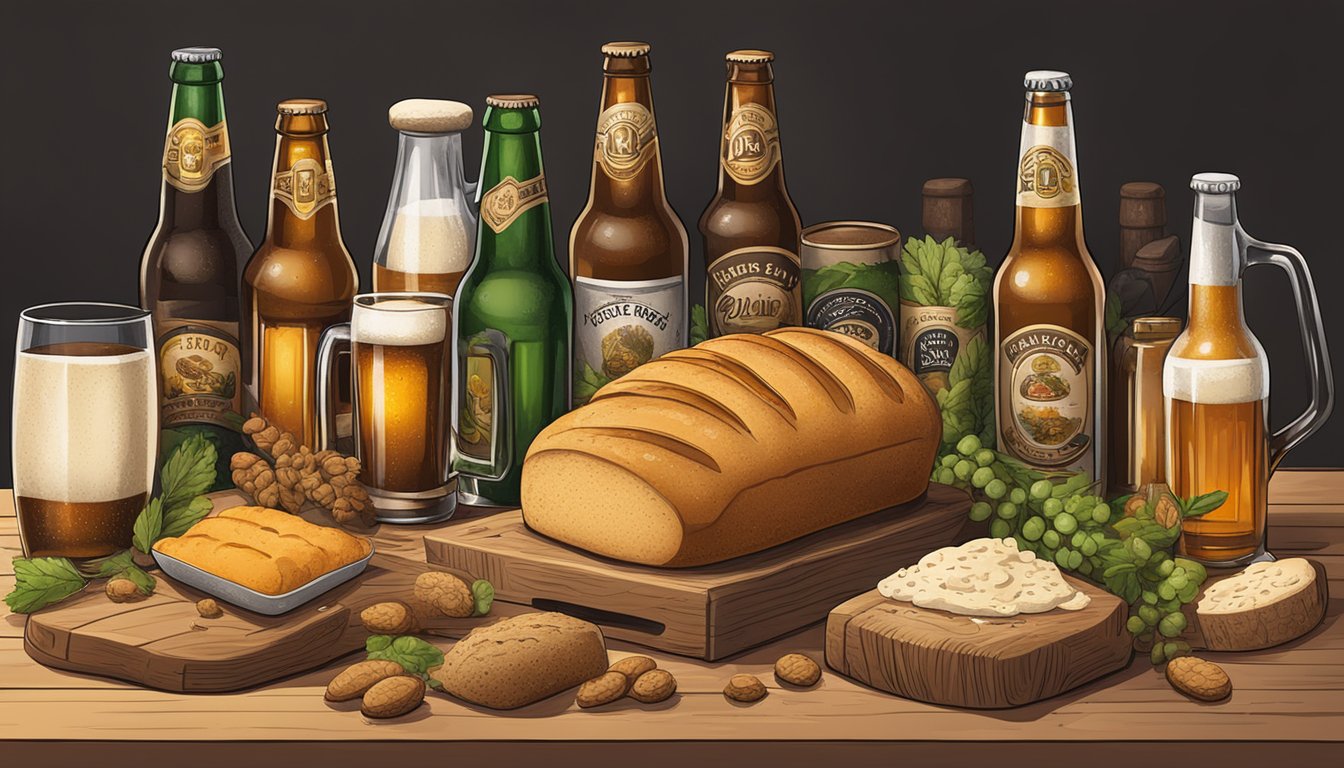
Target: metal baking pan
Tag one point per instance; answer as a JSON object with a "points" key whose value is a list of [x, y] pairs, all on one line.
{"points": [[252, 600]]}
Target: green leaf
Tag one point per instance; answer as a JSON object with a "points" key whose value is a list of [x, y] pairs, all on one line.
{"points": [[148, 526], [107, 567], [142, 580], [484, 595], [586, 384], [176, 521], [1203, 504], [699, 324], [189, 472], [414, 655], [42, 581]]}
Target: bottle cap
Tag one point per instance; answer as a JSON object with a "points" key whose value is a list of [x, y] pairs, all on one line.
{"points": [[625, 49], [1047, 80], [1215, 183], [429, 116], [197, 55], [301, 107], [749, 56], [512, 100]]}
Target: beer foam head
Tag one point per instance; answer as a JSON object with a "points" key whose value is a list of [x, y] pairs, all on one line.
{"points": [[399, 323], [85, 427], [429, 236], [1216, 382]]}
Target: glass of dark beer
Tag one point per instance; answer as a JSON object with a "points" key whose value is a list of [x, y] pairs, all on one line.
{"points": [[402, 363], [86, 427]]}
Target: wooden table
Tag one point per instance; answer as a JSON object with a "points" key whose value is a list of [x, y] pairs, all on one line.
{"points": [[1287, 707]]}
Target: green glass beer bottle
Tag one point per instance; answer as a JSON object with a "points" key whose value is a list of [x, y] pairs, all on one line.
{"points": [[512, 312], [189, 271]]}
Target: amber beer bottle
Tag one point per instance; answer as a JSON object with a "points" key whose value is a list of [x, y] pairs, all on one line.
{"points": [[751, 229], [1048, 302], [189, 271], [301, 280], [628, 249]]}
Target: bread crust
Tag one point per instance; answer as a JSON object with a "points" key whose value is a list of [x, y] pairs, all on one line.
{"points": [[743, 442]]}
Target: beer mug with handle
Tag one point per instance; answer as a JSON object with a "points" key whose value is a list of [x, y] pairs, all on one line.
{"points": [[1216, 382], [401, 366]]}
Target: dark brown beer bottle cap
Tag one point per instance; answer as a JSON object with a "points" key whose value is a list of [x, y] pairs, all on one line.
{"points": [[1143, 204], [197, 55], [750, 56], [512, 100], [948, 210], [625, 49], [301, 107]]}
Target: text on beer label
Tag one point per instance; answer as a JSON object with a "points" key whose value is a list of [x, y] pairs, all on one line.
{"points": [[509, 199], [858, 313], [1047, 175], [750, 144], [622, 324], [306, 187], [626, 140], [754, 290], [201, 368], [1046, 381], [193, 152]]}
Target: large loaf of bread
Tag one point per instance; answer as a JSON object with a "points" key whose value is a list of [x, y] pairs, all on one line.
{"points": [[736, 445]]}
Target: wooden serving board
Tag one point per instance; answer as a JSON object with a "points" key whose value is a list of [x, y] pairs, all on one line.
{"points": [[707, 612], [162, 641], [968, 661]]}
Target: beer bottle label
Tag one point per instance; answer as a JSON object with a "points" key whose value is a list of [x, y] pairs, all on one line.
{"points": [[476, 429], [193, 152], [201, 370], [931, 339], [1047, 176], [622, 324], [1046, 380], [750, 144], [626, 140], [305, 188], [858, 313], [509, 199], [754, 290]]}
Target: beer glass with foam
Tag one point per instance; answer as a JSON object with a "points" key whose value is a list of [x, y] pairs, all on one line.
{"points": [[86, 427], [401, 367], [1216, 382]]}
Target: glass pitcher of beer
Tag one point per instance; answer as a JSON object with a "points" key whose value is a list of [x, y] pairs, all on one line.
{"points": [[1216, 382]]}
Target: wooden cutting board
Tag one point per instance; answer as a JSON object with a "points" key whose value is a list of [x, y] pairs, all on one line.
{"points": [[162, 641], [968, 661], [708, 612]]}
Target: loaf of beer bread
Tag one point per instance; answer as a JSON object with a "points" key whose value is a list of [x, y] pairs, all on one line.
{"points": [[736, 445], [266, 550]]}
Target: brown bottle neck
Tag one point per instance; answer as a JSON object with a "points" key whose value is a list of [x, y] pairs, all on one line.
{"points": [[297, 143], [748, 85], [626, 82], [1049, 203]]}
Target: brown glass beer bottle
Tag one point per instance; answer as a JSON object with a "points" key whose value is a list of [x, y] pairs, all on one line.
{"points": [[751, 228], [302, 279], [628, 248], [1048, 302]]}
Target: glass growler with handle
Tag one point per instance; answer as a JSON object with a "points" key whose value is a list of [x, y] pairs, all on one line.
{"points": [[301, 280], [1216, 382], [627, 250], [752, 232], [189, 271], [512, 313], [1049, 333]]}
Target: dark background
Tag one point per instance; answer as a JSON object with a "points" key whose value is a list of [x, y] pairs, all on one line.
{"points": [[873, 99]]}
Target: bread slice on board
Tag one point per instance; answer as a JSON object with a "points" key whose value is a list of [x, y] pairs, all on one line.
{"points": [[1263, 606], [739, 444]]}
